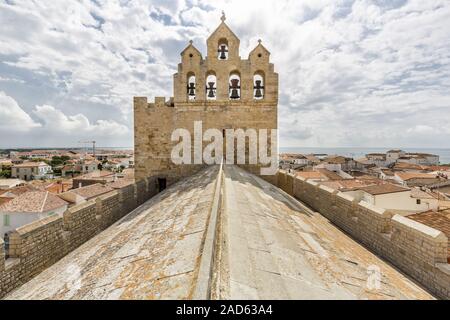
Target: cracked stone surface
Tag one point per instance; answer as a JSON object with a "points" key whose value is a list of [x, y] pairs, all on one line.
{"points": [[275, 248], [152, 253]]}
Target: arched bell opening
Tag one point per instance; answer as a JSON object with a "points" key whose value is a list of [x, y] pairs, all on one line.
{"points": [[191, 86], [223, 49], [234, 86], [258, 86], [211, 86]]}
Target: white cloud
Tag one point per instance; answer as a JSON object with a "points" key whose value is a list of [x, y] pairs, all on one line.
{"points": [[12, 117], [55, 121], [352, 72], [54, 128]]}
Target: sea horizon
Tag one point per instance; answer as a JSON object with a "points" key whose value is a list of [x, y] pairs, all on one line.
{"points": [[352, 152], [359, 152]]}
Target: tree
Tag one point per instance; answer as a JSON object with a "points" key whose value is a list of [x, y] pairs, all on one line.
{"points": [[58, 161], [41, 160], [5, 174]]}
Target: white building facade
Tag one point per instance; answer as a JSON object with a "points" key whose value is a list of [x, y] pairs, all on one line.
{"points": [[31, 171]]}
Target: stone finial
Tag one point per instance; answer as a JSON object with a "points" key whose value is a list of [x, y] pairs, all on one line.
{"points": [[223, 18], [191, 42], [259, 41]]}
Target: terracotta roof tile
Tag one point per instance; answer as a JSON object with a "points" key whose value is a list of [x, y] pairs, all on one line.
{"points": [[96, 174], [92, 191], [310, 175], [120, 183], [383, 189], [330, 174], [412, 175], [33, 201], [30, 165]]}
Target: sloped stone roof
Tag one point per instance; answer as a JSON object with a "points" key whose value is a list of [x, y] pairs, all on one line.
{"points": [[271, 247]]}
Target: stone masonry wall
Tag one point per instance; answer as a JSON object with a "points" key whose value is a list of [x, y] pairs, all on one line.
{"points": [[155, 122], [108, 209], [36, 246], [416, 249]]}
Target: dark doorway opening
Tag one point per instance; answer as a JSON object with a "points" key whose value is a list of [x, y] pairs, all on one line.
{"points": [[162, 184]]}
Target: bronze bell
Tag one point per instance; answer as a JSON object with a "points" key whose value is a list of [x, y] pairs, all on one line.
{"points": [[211, 90], [234, 89], [191, 89], [258, 89], [223, 50]]}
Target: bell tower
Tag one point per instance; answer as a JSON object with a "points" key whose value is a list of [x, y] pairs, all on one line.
{"points": [[222, 76], [221, 90]]}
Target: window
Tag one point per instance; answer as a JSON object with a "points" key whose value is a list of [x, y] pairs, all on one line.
{"points": [[418, 201], [235, 86], [191, 92], [211, 87], [6, 220], [223, 49], [258, 86]]}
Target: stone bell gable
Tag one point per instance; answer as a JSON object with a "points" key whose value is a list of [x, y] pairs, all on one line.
{"points": [[223, 66], [223, 35]]}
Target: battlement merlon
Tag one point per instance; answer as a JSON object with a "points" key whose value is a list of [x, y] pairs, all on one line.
{"points": [[141, 103], [2, 255]]}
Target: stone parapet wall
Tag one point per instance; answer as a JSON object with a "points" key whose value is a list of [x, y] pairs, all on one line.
{"points": [[416, 249], [80, 222], [36, 246], [141, 191], [108, 209]]}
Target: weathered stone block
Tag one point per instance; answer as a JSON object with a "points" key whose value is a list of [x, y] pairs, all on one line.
{"points": [[433, 240]]}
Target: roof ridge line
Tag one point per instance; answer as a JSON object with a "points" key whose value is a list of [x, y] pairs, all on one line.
{"points": [[43, 203]]}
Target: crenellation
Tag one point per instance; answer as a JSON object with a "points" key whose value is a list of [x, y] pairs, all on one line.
{"points": [[15, 245], [127, 198], [39, 245], [418, 250], [141, 191], [108, 209], [373, 218], [81, 221], [326, 199], [310, 194], [430, 244]]}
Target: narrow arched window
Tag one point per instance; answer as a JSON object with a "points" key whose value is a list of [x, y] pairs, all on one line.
{"points": [[235, 86], [223, 49], [191, 87], [258, 86], [211, 86]]}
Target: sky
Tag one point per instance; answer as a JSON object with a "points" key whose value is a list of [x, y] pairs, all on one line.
{"points": [[363, 73]]}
